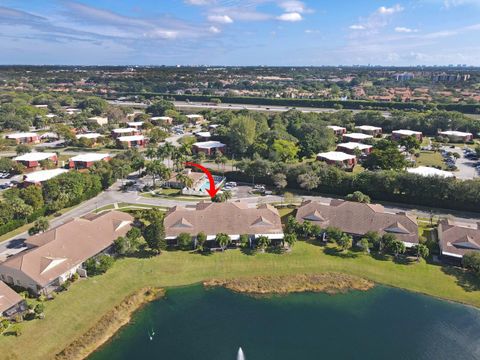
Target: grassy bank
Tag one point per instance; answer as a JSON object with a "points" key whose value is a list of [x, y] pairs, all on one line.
{"points": [[330, 283], [108, 325], [75, 311]]}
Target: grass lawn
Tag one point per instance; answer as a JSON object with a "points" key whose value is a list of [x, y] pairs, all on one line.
{"points": [[73, 312], [174, 194], [430, 158]]}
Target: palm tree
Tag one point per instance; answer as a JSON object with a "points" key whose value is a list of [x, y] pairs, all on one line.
{"points": [[223, 240], [151, 152], [289, 239], [186, 180], [157, 168], [263, 242], [227, 195]]}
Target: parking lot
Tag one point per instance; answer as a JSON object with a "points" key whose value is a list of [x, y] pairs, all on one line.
{"points": [[467, 163]]}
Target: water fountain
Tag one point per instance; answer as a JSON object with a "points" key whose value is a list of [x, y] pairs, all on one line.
{"points": [[240, 355]]}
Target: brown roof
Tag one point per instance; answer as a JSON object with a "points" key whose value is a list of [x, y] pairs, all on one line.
{"points": [[60, 249], [358, 219], [232, 218], [456, 240], [8, 297], [195, 176]]}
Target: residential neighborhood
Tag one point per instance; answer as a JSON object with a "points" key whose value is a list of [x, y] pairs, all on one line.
{"points": [[224, 179]]}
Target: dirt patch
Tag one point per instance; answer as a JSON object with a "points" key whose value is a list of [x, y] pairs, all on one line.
{"points": [[108, 325], [330, 283]]}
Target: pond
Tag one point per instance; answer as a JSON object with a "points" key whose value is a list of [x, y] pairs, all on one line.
{"points": [[383, 323]]}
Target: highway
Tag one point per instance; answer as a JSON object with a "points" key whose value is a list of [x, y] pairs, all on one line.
{"points": [[183, 105]]}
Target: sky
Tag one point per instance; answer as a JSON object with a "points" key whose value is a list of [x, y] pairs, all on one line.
{"points": [[240, 32]]}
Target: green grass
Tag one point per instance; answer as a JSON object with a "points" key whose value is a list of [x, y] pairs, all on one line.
{"points": [[73, 312], [170, 192], [25, 227], [430, 158], [174, 194]]}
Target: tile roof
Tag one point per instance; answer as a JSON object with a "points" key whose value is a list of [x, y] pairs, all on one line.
{"points": [[8, 297], [58, 250], [358, 219], [457, 239], [232, 218]]}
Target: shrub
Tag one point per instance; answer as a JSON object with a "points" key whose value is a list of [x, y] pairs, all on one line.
{"points": [[184, 241]]}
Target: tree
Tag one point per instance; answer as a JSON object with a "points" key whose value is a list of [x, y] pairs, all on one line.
{"points": [[159, 107], [6, 165], [121, 246], [306, 229], [40, 225], [285, 150], [280, 181], [22, 149], [292, 226], [128, 244], [105, 262], [156, 168], [333, 233], [471, 260], [358, 196], [48, 164], [364, 245], [99, 264], [263, 242], [344, 242], [244, 240], [184, 241], [373, 238], [93, 104], [386, 156], [290, 240], [157, 135], [410, 143], [201, 240], [39, 309], [32, 195], [421, 251], [308, 180], [397, 247], [385, 242], [223, 240], [242, 133], [154, 235]]}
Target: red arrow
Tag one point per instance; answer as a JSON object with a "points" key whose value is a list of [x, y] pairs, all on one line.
{"points": [[212, 191]]}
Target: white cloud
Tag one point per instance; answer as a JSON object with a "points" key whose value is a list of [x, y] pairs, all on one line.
{"points": [[292, 17], [378, 19], [214, 29], [293, 6], [390, 10], [310, 31], [357, 27], [402, 29], [222, 19]]}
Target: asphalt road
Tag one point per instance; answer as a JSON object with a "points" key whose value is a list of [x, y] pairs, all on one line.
{"points": [[226, 106], [115, 195]]}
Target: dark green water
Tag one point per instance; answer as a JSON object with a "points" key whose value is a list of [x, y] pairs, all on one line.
{"points": [[384, 323]]}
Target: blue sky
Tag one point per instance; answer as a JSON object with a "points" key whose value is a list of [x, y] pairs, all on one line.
{"points": [[240, 32]]}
